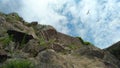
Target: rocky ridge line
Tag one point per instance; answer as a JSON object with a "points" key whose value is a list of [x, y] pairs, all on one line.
{"points": [[44, 47]]}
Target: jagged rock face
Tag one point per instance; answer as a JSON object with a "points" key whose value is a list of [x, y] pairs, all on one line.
{"points": [[58, 47], [90, 52], [115, 49], [33, 48], [46, 32], [68, 40], [47, 48], [49, 34], [106, 58], [50, 59], [110, 60]]}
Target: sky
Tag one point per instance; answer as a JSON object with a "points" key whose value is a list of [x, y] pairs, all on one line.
{"points": [[96, 21]]}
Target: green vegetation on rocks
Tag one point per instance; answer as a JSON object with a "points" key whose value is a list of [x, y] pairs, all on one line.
{"points": [[33, 45], [6, 40], [13, 17], [18, 63], [84, 42]]}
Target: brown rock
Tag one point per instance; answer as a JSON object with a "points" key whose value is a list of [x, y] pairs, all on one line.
{"points": [[91, 52], [68, 40], [48, 33], [114, 49], [33, 47]]}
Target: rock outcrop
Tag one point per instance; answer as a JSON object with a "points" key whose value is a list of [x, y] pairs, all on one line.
{"points": [[114, 49], [41, 46]]}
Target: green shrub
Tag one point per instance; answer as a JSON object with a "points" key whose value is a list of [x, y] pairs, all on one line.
{"points": [[84, 42], [6, 40], [87, 43], [45, 43], [42, 41], [81, 40], [18, 64]]}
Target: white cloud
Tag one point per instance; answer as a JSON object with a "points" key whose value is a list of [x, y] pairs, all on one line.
{"points": [[43, 11], [96, 21]]}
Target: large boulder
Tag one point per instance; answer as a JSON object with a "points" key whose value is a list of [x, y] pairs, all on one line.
{"points": [[46, 32], [50, 59], [33, 47]]}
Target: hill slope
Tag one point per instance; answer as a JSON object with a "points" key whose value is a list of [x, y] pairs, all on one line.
{"points": [[32, 45], [114, 49]]}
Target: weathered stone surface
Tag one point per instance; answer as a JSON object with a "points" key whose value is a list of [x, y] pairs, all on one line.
{"points": [[45, 47], [114, 49], [111, 60], [91, 52], [68, 40], [50, 59], [46, 32], [60, 48], [33, 47], [105, 57]]}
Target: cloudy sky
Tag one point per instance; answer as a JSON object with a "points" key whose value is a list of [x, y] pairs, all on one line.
{"points": [[97, 21]]}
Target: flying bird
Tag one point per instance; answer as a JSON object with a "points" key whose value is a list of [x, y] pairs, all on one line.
{"points": [[88, 12]]}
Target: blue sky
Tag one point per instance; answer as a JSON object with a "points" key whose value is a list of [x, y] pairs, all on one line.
{"points": [[97, 21]]}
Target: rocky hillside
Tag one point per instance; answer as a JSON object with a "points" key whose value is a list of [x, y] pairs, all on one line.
{"points": [[115, 50], [32, 45]]}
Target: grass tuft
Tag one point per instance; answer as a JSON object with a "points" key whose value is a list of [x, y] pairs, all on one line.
{"points": [[18, 64]]}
